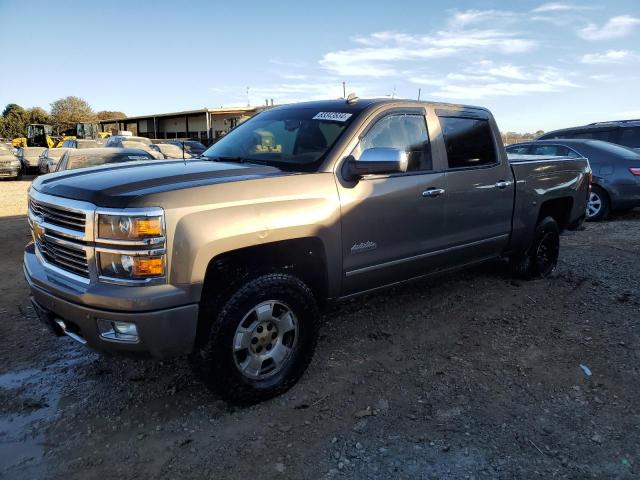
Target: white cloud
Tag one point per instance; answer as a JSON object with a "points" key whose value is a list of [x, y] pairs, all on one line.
{"points": [[299, 92], [294, 76], [471, 17], [382, 51], [610, 56], [508, 71], [484, 79], [615, 27], [561, 7]]}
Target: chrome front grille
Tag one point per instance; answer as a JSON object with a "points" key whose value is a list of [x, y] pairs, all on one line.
{"points": [[64, 255], [61, 217]]}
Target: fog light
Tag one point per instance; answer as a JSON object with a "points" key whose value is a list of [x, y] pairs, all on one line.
{"points": [[120, 331]]}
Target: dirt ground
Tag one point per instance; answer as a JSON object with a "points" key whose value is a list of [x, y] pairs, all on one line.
{"points": [[466, 376]]}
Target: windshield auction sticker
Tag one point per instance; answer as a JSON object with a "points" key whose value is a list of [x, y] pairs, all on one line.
{"points": [[332, 116]]}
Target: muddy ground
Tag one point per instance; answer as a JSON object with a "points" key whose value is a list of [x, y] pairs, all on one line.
{"points": [[469, 375]]}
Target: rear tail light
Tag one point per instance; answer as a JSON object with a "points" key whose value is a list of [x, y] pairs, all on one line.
{"points": [[635, 171], [590, 181]]}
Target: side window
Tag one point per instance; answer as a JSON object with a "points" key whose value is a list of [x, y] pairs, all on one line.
{"points": [[605, 135], [572, 154], [407, 132], [551, 150], [469, 142], [630, 137], [519, 149], [61, 163]]}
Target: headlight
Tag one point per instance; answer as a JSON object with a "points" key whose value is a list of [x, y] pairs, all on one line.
{"points": [[130, 227], [129, 266]]}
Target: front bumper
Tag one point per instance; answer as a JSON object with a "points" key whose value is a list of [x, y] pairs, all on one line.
{"points": [[9, 172], [163, 332]]}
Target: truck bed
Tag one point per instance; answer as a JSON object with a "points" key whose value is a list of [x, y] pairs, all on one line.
{"points": [[544, 179]]}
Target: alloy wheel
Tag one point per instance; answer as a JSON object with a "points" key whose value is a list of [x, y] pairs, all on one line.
{"points": [[594, 205], [265, 339]]}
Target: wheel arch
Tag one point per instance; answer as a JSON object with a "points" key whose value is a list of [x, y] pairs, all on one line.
{"points": [[305, 258], [557, 208]]}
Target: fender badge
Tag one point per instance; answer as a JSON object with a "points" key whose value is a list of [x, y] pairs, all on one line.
{"points": [[364, 247]]}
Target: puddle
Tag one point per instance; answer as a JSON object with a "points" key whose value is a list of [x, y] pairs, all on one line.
{"points": [[33, 396]]}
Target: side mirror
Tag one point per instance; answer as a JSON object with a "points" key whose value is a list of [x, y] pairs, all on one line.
{"points": [[376, 161]]}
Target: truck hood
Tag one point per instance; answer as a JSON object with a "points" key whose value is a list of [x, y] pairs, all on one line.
{"points": [[116, 185]]}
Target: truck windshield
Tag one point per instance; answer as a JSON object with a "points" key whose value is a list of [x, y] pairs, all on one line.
{"points": [[295, 139]]}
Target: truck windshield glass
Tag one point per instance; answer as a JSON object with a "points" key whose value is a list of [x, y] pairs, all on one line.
{"points": [[293, 139]]}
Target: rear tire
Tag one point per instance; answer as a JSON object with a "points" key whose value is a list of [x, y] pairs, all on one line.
{"points": [[261, 341], [598, 205], [542, 256]]}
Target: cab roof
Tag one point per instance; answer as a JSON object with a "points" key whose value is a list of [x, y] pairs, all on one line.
{"points": [[360, 104]]}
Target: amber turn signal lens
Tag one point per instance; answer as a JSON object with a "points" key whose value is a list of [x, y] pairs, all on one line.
{"points": [[148, 266], [147, 227]]}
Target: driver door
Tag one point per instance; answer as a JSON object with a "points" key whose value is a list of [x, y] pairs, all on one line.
{"points": [[390, 226]]}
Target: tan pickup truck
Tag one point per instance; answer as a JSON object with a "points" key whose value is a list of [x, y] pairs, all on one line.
{"points": [[230, 257]]}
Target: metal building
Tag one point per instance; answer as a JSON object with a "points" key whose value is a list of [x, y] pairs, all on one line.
{"points": [[207, 124]]}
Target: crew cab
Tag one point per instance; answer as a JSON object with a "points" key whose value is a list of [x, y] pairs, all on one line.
{"points": [[231, 257]]}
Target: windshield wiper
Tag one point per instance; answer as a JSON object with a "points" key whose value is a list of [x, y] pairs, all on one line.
{"points": [[225, 159], [234, 160]]}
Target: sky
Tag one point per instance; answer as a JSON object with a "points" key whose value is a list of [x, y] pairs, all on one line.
{"points": [[537, 65]]}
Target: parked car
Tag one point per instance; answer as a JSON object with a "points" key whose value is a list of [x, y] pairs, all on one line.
{"points": [[10, 165], [30, 158], [192, 147], [616, 171], [49, 159], [91, 157], [231, 257], [129, 141], [169, 150], [622, 132], [81, 143]]}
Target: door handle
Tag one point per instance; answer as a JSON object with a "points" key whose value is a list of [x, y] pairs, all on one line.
{"points": [[502, 184], [433, 192]]}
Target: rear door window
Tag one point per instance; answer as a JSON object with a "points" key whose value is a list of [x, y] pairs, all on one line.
{"points": [[519, 149], [551, 150], [604, 135], [469, 142], [630, 137]]}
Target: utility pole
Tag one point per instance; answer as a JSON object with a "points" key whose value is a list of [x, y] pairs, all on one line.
{"points": [[248, 102], [344, 90], [419, 92]]}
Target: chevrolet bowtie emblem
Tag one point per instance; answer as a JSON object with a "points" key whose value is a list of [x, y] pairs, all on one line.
{"points": [[38, 231]]}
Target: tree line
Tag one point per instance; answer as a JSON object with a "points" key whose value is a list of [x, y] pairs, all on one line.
{"points": [[64, 114]]}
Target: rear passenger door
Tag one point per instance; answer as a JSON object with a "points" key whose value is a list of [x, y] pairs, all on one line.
{"points": [[480, 187]]}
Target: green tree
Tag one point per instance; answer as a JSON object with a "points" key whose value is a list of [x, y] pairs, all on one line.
{"points": [[68, 111], [110, 115], [38, 115], [14, 121]]}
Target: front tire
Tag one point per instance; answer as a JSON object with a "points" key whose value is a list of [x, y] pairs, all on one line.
{"points": [[261, 340], [542, 256], [598, 205]]}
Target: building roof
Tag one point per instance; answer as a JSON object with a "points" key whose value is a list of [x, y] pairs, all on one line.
{"points": [[213, 111]]}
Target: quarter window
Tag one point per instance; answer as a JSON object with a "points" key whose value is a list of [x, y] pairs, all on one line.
{"points": [[406, 132], [469, 142]]}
